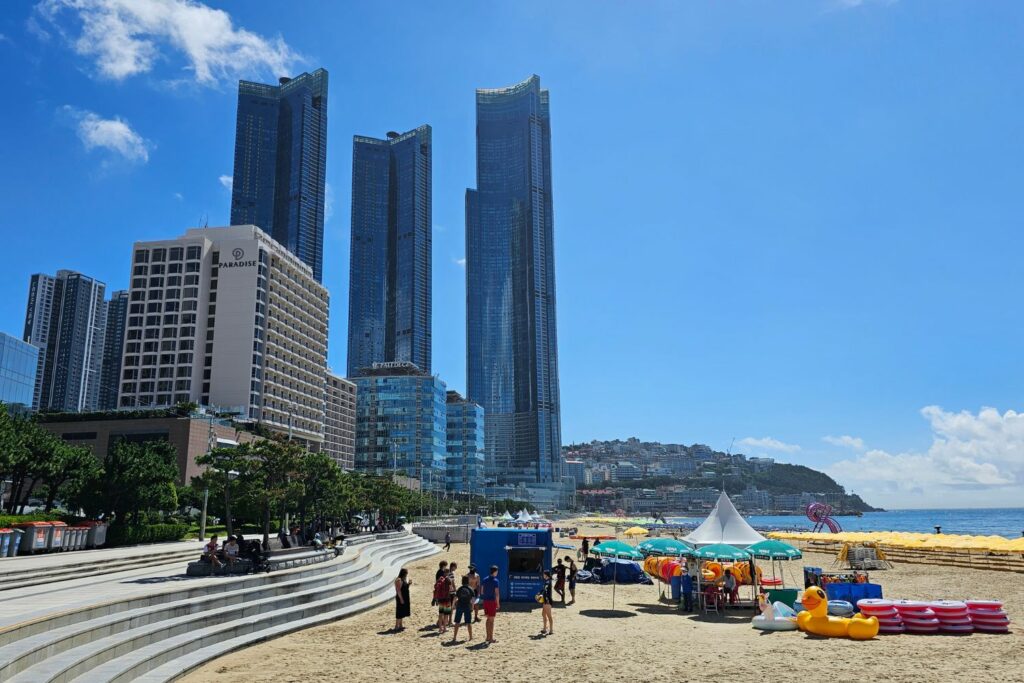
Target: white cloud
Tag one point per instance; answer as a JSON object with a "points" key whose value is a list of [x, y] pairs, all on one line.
{"points": [[974, 459], [769, 444], [180, 197], [461, 262], [227, 181], [845, 441], [128, 37], [114, 135]]}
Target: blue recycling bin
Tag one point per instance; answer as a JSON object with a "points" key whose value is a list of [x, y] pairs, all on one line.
{"points": [[15, 542], [5, 541]]}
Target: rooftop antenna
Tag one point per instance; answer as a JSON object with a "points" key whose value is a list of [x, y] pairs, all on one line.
{"points": [[204, 221]]}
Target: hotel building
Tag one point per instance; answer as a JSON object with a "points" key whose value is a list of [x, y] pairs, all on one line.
{"points": [[227, 317]]}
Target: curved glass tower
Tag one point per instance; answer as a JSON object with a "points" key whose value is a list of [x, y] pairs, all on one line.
{"points": [[512, 347]]}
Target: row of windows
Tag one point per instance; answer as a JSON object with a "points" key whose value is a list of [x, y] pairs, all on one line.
{"points": [[161, 254]]}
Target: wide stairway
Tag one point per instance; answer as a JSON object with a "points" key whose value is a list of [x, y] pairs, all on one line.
{"points": [[46, 569], [160, 635]]}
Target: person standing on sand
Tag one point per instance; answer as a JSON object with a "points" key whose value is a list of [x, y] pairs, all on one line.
{"points": [[560, 569], [403, 608], [545, 609], [585, 549], [464, 597], [447, 541], [572, 579], [474, 583], [491, 593]]}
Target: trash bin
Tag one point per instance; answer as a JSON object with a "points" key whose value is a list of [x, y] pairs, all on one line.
{"points": [[81, 532], [676, 586], [36, 538], [5, 541], [58, 530], [69, 539], [16, 536], [97, 535]]}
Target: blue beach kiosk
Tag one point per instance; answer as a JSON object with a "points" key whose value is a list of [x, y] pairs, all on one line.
{"points": [[521, 556]]}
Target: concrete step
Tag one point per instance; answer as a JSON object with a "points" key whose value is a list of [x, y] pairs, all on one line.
{"points": [[265, 625], [18, 580], [190, 657], [103, 641], [54, 636]]}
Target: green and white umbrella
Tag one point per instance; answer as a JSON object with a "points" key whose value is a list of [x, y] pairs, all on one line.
{"points": [[668, 547], [616, 550], [722, 552], [774, 550]]}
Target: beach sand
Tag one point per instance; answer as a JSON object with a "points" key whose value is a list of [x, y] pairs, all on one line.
{"points": [[641, 640]]}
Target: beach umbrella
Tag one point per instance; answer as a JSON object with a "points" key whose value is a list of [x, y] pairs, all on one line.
{"points": [[722, 552], [636, 531], [616, 550], [774, 550], [668, 547]]}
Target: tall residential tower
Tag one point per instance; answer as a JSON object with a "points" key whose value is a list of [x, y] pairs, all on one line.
{"points": [[512, 350], [65, 319], [389, 276], [281, 161]]}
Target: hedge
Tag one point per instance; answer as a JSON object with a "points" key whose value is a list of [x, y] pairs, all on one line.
{"points": [[149, 533], [7, 521]]}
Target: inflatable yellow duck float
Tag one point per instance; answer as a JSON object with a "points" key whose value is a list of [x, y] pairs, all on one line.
{"points": [[815, 619]]}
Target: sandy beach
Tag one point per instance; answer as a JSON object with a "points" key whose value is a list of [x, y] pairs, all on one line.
{"points": [[641, 640]]}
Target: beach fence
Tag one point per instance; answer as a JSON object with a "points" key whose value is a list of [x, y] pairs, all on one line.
{"points": [[1006, 561], [436, 532]]}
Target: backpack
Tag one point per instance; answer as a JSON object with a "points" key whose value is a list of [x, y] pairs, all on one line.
{"points": [[441, 589]]}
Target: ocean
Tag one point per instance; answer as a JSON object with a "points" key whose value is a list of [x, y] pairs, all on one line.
{"points": [[1008, 522]]}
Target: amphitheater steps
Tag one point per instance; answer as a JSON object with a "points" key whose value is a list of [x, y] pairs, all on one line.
{"points": [[159, 636]]}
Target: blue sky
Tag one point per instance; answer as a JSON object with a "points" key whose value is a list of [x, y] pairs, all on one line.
{"points": [[798, 225]]}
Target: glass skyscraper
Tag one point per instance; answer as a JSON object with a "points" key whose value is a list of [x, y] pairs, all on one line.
{"points": [[17, 372], [512, 349], [466, 458], [281, 162], [389, 277], [401, 418]]}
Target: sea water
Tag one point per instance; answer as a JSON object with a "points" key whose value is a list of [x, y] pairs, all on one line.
{"points": [[1008, 522]]}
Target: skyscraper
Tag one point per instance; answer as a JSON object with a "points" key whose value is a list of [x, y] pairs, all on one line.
{"points": [[389, 277], [281, 161], [113, 345], [65, 320], [511, 341]]}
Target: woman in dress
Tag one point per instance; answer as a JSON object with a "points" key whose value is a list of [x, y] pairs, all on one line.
{"points": [[402, 608]]}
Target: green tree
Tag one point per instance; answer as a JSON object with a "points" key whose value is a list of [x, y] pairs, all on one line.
{"points": [[137, 478]]}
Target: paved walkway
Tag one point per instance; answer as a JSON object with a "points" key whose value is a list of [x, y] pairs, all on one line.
{"points": [[31, 563]]}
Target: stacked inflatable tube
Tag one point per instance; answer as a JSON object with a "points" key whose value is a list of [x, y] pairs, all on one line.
{"points": [[988, 616], [889, 619]]}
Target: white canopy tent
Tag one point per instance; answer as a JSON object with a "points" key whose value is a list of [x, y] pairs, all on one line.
{"points": [[724, 525], [507, 517]]}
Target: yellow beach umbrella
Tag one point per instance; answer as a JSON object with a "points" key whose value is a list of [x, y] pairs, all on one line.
{"points": [[635, 531]]}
